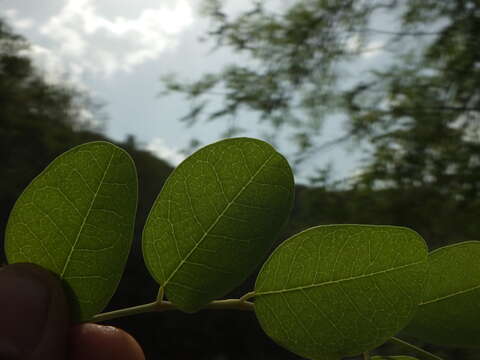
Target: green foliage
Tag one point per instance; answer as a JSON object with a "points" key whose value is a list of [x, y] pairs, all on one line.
{"points": [[425, 132], [294, 56], [449, 313], [327, 292], [215, 220], [76, 219], [339, 290], [424, 139], [419, 113]]}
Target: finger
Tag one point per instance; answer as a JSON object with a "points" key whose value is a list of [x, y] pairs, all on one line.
{"points": [[98, 342], [33, 314]]}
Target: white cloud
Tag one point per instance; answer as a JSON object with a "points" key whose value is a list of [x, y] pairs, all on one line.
{"points": [[158, 147], [82, 40], [51, 65], [18, 23]]}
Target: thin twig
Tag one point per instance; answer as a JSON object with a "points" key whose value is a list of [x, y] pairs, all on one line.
{"points": [[160, 306]]}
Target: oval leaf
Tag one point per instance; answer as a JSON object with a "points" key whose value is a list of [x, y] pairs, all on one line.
{"points": [[76, 219], [215, 219], [340, 290], [449, 313]]}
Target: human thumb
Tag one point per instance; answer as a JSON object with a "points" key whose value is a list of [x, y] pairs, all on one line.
{"points": [[33, 314]]}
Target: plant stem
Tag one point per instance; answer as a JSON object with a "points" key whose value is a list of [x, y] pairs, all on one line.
{"points": [[247, 296], [159, 306], [235, 304], [160, 294], [425, 354], [140, 309], [366, 355]]}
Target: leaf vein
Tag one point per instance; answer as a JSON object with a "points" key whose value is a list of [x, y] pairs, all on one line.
{"points": [[204, 236], [67, 260], [332, 282], [441, 298]]}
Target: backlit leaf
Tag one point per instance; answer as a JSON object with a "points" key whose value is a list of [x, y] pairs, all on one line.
{"points": [[76, 219], [215, 219], [449, 313], [340, 290]]}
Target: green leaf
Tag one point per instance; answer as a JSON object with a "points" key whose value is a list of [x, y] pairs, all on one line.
{"points": [[76, 219], [216, 218], [449, 313], [397, 357], [340, 290]]}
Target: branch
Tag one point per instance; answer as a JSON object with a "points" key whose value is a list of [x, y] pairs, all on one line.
{"points": [[399, 33], [160, 306], [416, 109]]}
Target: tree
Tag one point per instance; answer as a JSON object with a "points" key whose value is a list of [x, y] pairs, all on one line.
{"points": [[292, 72], [418, 109], [427, 132]]}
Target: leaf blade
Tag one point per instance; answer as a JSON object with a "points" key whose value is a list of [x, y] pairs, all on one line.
{"points": [[231, 196], [76, 219], [307, 300], [449, 312]]}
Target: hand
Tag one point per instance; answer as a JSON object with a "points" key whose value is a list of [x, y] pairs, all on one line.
{"points": [[34, 322]]}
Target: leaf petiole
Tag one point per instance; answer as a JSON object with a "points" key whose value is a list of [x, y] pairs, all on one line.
{"points": [[160, 294], [425, 354], [247, 296]]}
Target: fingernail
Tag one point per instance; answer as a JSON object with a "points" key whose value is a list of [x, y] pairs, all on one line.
{"points": [[24, 304]]}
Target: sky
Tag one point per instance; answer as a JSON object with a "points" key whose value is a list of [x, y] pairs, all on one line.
{"points": [[117, 50]]}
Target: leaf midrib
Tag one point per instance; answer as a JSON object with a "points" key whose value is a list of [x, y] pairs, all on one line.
{"points": [[301, 288], [206, 232], [442, 298], [87, 214]]}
